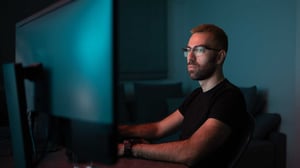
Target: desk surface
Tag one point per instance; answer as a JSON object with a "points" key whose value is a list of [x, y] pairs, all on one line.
{"points": [[59, 160]]}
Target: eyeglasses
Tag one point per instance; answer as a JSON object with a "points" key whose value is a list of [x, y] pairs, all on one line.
{"points": [[197, 50]]}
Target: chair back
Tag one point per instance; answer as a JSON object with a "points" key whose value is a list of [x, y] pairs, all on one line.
{"points": [[243, 143]]}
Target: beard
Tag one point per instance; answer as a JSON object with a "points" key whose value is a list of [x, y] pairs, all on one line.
{"points": [[198, 72], [202, 73]]}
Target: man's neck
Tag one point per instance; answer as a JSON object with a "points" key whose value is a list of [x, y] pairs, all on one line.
{"points": [[210, 83]]}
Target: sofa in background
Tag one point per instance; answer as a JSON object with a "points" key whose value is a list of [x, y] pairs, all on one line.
{"points": [[153, 101], [268, 146]]}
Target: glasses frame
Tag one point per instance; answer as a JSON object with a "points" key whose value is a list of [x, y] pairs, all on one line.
{"points": [[187, 50]]}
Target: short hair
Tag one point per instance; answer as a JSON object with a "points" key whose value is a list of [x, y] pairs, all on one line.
{"points": [[220, 37]]}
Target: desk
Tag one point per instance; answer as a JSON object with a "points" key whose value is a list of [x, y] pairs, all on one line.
{"points": [[59, 160]]}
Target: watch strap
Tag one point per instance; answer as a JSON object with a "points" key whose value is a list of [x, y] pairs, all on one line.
{"points": [[128, 143]]}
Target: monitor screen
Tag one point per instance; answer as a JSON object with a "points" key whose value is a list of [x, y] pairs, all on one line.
{"points": [[74, 43]]}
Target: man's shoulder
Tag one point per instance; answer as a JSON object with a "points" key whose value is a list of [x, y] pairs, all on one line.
{"points": [[229, 89], [229, 86]]}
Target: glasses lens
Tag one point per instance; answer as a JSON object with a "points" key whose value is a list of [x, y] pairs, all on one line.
{"points": [[199, 50], [186, 51]]}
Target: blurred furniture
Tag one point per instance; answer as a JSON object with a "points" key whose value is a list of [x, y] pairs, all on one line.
{"points": [[268, 147], [59, 160], [154, 101], [243, 143]]}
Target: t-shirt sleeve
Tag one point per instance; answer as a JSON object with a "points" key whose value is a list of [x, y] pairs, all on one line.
{"points": [[228, 107]]}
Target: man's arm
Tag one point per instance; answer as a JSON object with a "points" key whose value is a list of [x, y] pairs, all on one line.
{"points": [[211, 135], [152, 130]]}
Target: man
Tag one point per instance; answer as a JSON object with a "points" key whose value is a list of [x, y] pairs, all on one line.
{"points": [[211, 117]]}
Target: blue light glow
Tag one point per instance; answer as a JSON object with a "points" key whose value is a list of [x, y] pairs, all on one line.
{"points": [[75, 45]]}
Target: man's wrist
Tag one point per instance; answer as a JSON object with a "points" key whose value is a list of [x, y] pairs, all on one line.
{"points": [[128, 143]]}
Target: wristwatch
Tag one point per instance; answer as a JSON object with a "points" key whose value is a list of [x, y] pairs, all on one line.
{"points": [[128, 143]]}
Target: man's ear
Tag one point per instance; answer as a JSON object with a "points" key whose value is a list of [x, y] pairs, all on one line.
{"points": [[221, 56]]}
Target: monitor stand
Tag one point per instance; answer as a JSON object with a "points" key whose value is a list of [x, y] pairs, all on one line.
{"points": [[16, 107], [14, 88]]}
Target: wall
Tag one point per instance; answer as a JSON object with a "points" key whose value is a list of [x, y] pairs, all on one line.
{"points": [[295, 157], [262, 51], [6, 31], [141, 55]]}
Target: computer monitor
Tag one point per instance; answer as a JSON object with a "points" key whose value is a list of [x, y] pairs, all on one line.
{"points": [[75, 45]]}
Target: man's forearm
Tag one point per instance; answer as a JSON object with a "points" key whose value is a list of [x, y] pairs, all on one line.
{"points": [[147, 131], [203, 142], [177, 152]]}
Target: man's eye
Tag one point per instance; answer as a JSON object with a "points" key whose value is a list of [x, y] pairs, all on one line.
{"points": [[200, 49]]}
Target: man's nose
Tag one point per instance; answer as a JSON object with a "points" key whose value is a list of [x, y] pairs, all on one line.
{"points": [[191, 57]]}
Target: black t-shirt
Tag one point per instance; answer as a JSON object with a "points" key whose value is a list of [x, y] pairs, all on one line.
{"points": [[224, 102]]}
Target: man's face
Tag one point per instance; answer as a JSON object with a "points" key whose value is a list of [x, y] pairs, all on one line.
{"points": [[203, 65]]}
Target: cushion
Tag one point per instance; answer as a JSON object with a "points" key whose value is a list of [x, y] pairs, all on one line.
{"points": [[265, 123], [250, 95], [260, 102], [150, 100]]}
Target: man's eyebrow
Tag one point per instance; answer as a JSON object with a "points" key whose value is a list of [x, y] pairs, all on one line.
{"points": [[200, 45]]}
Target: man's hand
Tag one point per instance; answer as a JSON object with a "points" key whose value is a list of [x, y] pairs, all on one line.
{"points": [[121, 146], [120, 149]]}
